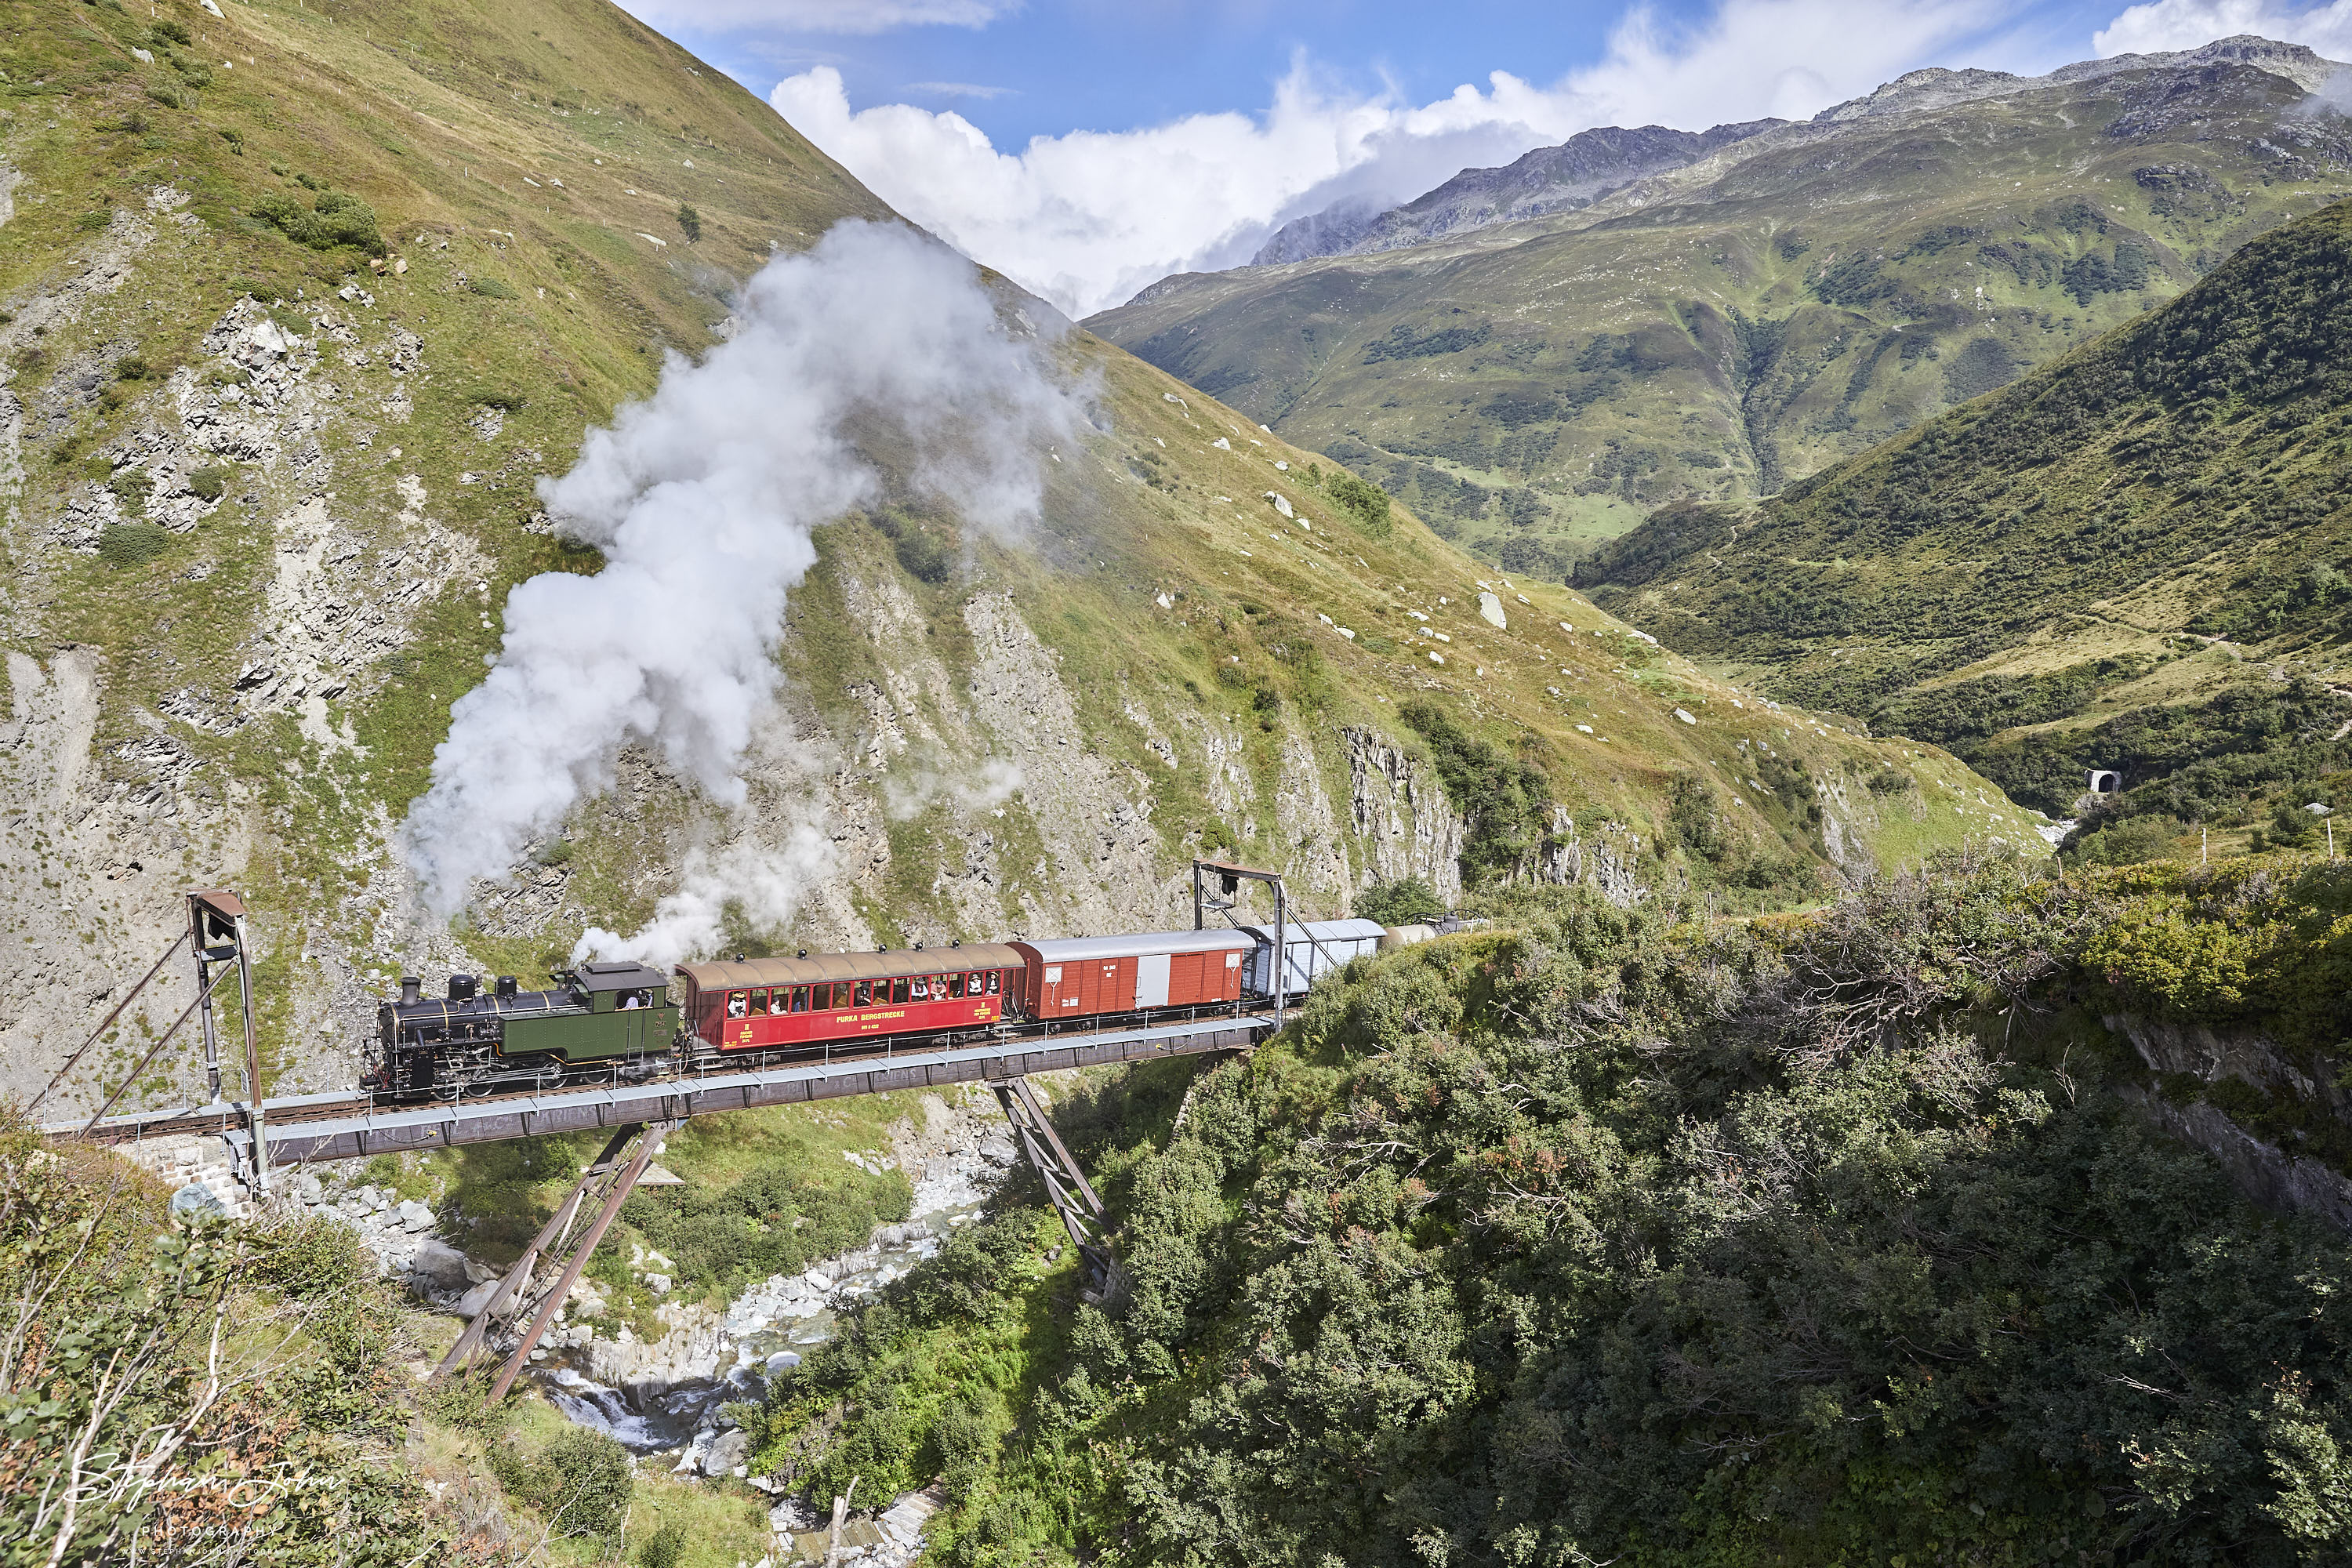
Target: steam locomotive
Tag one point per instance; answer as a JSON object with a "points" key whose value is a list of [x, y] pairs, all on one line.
{"points": [[619, 1021]]}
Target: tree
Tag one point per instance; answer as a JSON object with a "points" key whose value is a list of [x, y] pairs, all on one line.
{"points": [[690, 221]]}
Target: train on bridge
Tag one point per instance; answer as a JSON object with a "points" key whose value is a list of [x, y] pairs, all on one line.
{"points": [[624, 1021]]}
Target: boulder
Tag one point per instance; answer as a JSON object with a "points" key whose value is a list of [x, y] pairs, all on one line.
{"points": [[308, 1189], [414, 1217], [471, 1303], [437, 1265], [999, 1151], [730, 1452]]}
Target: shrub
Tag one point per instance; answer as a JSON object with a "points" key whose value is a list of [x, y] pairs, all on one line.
{"points": [[1506, 802], [169, 32], [131, 485], [1365, 504], [2128, 842], [335, 220], [1396, 903], [578, 1481], [209, 483], [132, 543], [665, 1546], [93, 222], [690, 222], [490, 288], [130, 367]]}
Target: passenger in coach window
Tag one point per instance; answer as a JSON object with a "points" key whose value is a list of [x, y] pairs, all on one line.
{"points": [[735, 1005]]}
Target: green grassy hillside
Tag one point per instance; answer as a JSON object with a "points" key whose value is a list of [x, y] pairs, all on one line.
{"points": [[2132, 560], [299, 306], [1537, 387]]}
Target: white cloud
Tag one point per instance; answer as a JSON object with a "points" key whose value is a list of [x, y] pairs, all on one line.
{"points": [[2165, 25], [1088, 218], [817, 15]]}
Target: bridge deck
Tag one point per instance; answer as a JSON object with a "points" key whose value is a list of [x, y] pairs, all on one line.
{"points": [[336, 1127]]}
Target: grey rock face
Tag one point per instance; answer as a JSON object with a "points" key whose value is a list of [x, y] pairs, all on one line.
{"points": [[1575, 173]]}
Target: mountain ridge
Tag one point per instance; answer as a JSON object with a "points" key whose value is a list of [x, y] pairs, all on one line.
{"points": [[1710, 332]]}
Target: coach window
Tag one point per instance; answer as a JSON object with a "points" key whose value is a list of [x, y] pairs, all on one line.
{"points": [[922, 989], [799, 998], [955, 986], [995, 981], [899, 989], [736, 1004], [865, 993], [759, 1003]]}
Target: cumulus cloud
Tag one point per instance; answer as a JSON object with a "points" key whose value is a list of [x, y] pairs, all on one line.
{"points": [[702, 499], [2167, 24], [1088, 218], [865, 16]]}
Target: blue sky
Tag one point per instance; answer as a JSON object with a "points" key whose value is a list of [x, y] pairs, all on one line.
{"points": [[1089, 147]]}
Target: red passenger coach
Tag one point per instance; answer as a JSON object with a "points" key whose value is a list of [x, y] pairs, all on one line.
{"points": [[1082, 976], [772, 1003]]}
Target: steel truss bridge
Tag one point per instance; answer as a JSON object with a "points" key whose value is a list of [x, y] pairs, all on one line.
{"points": [[298, 1130]]}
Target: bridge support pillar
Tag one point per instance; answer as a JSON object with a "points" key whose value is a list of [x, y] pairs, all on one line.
{"points": [[564, 1245], [1072, 1196]]}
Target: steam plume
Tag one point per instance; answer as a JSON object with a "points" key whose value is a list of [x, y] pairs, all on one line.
{"points": [[702, 498]]}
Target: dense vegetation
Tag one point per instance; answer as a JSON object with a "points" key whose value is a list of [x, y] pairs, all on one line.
{"points": [[2184, 480], [1605, 1236]]}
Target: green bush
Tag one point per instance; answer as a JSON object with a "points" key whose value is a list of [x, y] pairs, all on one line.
{"points": [[210, 482], [1506, 802], [93, 222], [1396, 903], [578, 1481], [130, 367], [1364, 504], [666, 1547], [690, 223], [771, 1222], [130, 486], [132, 543], [2124, 843], [492, 289], [335, 220], [168, 31]]}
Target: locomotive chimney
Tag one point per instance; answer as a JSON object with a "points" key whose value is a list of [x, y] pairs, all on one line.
{"points": [[412, 990]]}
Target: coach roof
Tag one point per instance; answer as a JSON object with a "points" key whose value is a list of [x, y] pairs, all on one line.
{"points": [[1141, 944], [759, 972]]}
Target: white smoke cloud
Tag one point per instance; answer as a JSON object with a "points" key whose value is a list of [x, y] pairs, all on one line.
{"points": [[968, 789], [762, 883], [702, 499], [2167, 24], [1089, 218]]}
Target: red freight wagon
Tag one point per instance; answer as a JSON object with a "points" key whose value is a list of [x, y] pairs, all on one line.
{"points": [[764, 1003], [1080, 976]]}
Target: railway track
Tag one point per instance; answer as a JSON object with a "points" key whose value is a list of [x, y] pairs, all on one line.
{"points": [[821, 1075]]}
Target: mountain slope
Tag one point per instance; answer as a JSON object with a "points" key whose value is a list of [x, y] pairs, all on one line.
{"points": [[2130, 559], [1794, 297], [265, 502]]}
